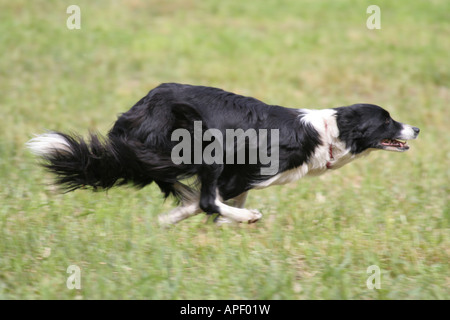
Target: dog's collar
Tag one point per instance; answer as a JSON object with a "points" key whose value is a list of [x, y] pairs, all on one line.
{"points": [[330, 148], [330, 152]]}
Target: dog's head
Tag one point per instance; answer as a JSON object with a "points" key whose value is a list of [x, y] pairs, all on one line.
{"points": [[367, 126]]}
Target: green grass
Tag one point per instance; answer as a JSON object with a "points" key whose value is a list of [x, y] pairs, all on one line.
{"points": [[317, 237]]}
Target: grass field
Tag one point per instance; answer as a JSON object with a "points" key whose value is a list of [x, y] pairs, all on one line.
{"points": [[317, 236]]}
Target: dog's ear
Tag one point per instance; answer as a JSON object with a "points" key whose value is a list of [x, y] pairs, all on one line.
{"points": [[185, 115], [348, 121], [349, 124]]}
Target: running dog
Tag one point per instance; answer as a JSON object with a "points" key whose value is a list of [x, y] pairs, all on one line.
{"points": [[140, 148]]}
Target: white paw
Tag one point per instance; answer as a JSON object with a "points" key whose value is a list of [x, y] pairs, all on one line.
{"points": [[255, 215], [165, 221]]}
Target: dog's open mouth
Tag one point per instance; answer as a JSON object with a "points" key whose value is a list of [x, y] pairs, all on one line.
{"points": [[394, 145]]}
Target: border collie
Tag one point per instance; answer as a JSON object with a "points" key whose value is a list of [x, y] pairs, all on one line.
{"points": [[139, 149]]}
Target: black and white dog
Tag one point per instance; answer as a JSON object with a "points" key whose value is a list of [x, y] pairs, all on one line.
{"points": [[180, 131]]}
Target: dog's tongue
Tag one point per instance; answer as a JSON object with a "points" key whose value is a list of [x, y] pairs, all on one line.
{"points": [[393, 142]]}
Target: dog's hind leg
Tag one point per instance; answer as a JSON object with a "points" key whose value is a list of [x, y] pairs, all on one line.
{"points": [[178, 214], [211, 203], [189, 199], [237, 202], [238, 214]]}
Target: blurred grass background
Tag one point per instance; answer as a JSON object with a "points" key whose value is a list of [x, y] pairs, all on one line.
{"points": [[317, 237]]}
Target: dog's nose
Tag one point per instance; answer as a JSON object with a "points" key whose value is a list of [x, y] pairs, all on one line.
{"points": [[416, 130]]}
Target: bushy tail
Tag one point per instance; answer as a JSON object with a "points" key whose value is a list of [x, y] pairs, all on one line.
{"points": [[80, 164]]}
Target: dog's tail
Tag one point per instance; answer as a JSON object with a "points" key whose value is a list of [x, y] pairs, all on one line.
{"points": [[99, 163]]}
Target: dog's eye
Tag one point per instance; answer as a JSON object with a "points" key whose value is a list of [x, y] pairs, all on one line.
{"points": [[387, 121]]}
